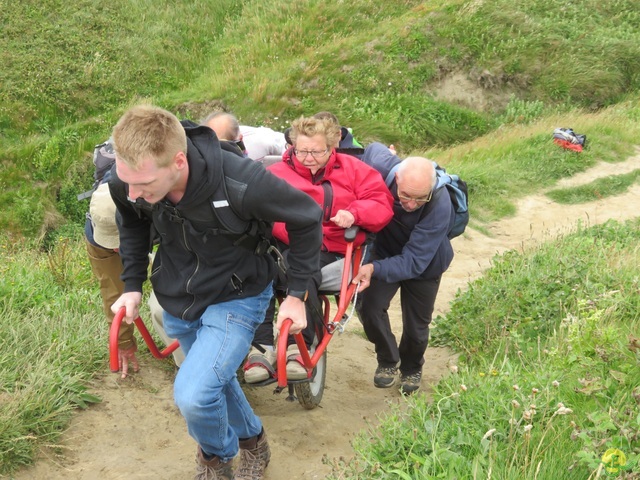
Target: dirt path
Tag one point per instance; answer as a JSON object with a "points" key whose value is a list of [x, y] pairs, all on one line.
{"points": [[137, 433]]}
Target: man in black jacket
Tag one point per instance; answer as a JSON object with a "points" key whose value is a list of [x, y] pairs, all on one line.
{"points": [[213, 279]]}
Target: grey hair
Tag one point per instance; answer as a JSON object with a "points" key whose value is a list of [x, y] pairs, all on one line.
{"points": [[232, 127]]}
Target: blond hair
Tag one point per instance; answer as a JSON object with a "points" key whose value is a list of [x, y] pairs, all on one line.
{"points": [[146, 131], [310, 126]]}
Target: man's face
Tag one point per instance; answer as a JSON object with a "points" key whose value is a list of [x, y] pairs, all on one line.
{"points": [[149, 182], [413, 192]]}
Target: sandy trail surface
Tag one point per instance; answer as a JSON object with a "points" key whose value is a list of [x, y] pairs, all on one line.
{"points": [[136, 432]]}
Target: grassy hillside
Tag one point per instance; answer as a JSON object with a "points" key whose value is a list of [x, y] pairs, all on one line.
{"points": [[411, 73], [477, 85]]}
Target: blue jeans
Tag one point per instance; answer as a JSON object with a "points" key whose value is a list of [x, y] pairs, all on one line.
{"points": [[206, 389]]}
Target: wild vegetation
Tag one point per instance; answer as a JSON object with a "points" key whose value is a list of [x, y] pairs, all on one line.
{"points": [[70, 70], [549, 376], [558, 323]]}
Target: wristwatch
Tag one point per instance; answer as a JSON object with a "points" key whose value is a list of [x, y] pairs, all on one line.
{"points": [[300, 294]]}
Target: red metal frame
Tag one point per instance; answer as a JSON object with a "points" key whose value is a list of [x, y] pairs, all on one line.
{"points": [[352, 261], [153, 348], [347, 289]]}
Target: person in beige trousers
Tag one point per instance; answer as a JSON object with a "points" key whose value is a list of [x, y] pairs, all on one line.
{"points": [[102, 242]]}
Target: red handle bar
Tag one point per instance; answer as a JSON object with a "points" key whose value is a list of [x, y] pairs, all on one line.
{"points": [[309, 363], [347, 291], [153, 348]]}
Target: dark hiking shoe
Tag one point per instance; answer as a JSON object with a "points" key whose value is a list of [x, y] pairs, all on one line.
{"points": [[213, 469], [254, 458], [410, 383], [385, 377]]}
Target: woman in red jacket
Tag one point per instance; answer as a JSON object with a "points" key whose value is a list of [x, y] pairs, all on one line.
{"points": [[350, 192]]}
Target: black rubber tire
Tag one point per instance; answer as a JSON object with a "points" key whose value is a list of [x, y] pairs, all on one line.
{"points": [[310, 393]]}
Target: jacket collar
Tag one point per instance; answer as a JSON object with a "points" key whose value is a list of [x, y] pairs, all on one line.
{"points": [[205, 163]]}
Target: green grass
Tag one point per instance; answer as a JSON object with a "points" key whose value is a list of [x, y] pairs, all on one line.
{"points": [[565, 313], [598, 189], [71, 69], [503, 166], [52, 337], [66, 62], [548, 379]]}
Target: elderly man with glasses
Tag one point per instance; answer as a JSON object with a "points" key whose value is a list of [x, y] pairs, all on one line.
{"points": [[410, 254]]}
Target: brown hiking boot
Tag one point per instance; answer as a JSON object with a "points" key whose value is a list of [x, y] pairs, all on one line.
{"points": [[214, 469], [254, 458]]}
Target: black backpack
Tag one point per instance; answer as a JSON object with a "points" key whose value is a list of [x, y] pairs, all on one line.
{"points": [[104, 156], [252, 234]]}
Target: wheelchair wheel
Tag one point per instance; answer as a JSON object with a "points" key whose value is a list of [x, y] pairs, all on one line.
{"points": [[310, 393]]}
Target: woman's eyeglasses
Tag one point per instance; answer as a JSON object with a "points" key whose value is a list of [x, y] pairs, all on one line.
{"points": [[302, 154]]}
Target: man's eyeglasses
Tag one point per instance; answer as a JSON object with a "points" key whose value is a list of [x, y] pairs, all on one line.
{"points": [[302, 154], [420, 200]]}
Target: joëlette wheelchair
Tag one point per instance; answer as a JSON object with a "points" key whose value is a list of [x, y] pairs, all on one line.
{"points": [[308, 391]]}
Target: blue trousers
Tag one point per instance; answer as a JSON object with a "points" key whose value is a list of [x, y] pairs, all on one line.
{"points": [[206, 389]]}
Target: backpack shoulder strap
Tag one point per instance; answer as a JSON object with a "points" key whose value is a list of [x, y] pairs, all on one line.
{"points": [[328, 200], [252, 234], [229, 193], [391, 175]]}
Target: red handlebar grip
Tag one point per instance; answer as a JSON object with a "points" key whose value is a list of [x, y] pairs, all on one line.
{"points": [[281, 360], [114, 331]]}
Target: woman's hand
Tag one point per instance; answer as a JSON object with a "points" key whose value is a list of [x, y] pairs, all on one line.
{"points": [[343, 218]]}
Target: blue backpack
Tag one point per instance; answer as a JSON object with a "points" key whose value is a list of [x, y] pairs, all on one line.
{"points": [[458, 193]]}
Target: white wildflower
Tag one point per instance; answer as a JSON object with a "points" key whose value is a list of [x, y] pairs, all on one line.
{"points": [[563, 411], [489, 433]]}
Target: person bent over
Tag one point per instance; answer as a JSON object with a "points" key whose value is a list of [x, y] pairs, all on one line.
{"points": [[213, 281], [410, 254]]}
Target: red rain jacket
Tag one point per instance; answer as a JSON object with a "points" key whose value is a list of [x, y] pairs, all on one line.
{"points": [[355, 186]]}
